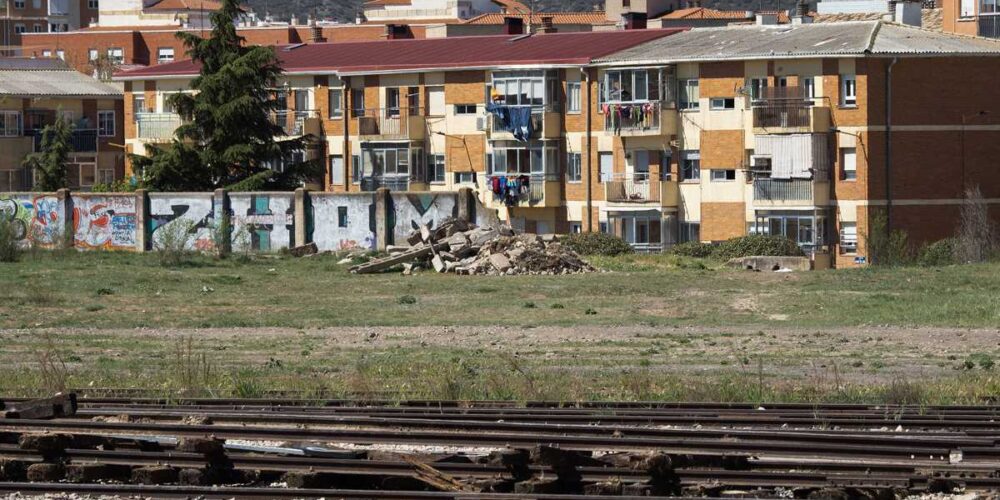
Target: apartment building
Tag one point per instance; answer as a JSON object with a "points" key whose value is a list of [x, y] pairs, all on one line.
{"points": [[20, 17], [971, 17], [439, 10], [33, 93], [660, 136]]}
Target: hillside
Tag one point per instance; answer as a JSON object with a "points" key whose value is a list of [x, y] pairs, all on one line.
{"points": [[346, 10]]}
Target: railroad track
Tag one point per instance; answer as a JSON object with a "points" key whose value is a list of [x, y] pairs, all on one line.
{"points": [[453, 449]]}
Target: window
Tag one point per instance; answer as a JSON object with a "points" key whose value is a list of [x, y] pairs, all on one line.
{"points": [[848, 164], [435, 101], [336, 103], [337, 170], [723, 103], [723, 175], [573, 92], [19, 28], [355, 169], [435, 171], [848, 237], [465, 177], [809, 83], [628, 86], [968, 8], [607, 164], [46, 53], [138, 103], [465, 109], [988, 7], [512, 158], [106, 176], [757, 87], [106, 123], [391, 102], [665, 160], [573, 167], [93, 4], [848, 90], [691, 166], [10, 123], [575, 227], [19, 4], [61, 54], [690, 231], [358, 102], [92, 55], [341, 216], [88, 174], [689, 94], [520, 88], [165, 55], [116, 55], [38, 28]]}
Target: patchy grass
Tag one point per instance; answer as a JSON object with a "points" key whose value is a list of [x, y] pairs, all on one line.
{"points": [[118, 290]]}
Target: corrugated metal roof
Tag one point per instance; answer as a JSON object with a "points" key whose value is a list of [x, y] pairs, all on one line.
{"points": [[436, 54], [800, 41], [23, 77]]}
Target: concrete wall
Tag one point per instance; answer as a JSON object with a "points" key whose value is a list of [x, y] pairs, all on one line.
{"points": [[258, 222]]}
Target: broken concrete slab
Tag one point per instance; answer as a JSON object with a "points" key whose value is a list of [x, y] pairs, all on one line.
{"points": [[303, 250]]}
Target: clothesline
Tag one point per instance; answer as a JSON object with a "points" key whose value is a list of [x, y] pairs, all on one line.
{"points": [[642, 115]]}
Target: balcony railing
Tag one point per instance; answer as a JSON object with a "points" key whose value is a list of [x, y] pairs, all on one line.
{"points": [[292, 123], [633, 188], [632, 118], [777, 190], [391, 182], [157, 126], [989, 25], [497, 127], [82, 140], [533, 194], [387, 122], [782, 107]]}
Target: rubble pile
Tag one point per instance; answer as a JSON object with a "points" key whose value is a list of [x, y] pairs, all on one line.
{"points": [[456, 246]]}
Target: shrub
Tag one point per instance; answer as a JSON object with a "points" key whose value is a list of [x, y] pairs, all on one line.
{"points": [[977, 236], [406, 300], [939, 253], [597, 244], [884, 248], [758, 245], [694, 249], [174, 243], [10, 247]]}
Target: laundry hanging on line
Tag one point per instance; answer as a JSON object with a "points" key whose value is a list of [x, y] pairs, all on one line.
{"points": [[513, 119]]}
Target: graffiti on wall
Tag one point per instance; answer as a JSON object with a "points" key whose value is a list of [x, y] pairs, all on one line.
{"points": [[262, 222], [104, 222], [190, 218], [18, 213], [48, 222], [409, 210], [344, 221]]}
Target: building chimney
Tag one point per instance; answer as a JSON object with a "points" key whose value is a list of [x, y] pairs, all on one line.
{"points": [[801, 13], [634, 20], [513, 26], [909, 13], [547, 26], [316, 33], [397, 31]]}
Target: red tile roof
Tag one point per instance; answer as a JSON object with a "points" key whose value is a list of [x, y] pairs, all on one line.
{"points": [[172, 5], [592, 17], [439, 53]]}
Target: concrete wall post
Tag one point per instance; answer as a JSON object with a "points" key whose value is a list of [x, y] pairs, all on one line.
{"points": [[66, 233], [467, 205], [383, 231], [223, 223], [301, 217], [142, 221]]}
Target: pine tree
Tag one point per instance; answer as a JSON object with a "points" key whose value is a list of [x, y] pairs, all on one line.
{"points": [[49, 164], [228, 136]]}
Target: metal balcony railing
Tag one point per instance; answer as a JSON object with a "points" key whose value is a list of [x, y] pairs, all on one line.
{"points": [[783, 189], [157, 126], [537, 120], [781, 107], [989, 25], [632, 188], [632, 118], [535, 192], [390, 182], [292, 123], [82, 140], [393, 122]]}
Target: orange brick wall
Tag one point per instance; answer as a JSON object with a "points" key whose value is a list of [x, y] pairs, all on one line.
{"points": [[466, 153], [722, 149], [721, 221], [721, 79], [465, 87]]}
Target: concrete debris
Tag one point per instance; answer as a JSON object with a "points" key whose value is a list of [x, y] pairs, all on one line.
{"points": [[455, 246], [304, 250]]}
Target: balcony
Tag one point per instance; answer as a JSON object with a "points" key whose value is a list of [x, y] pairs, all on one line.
{"points": [[390, 182], [546, 123], [295, 123], [639, 119], [989, 25], [788, 110], [790, 192], [391, 124], [639, 189], [541, 191], [157, 127], [82, 140]]}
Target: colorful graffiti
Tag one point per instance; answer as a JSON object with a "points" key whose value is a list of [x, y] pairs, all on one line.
{"points": [[48, 223], [104, 222], [191, 218], [18, 213], [262, 222]]}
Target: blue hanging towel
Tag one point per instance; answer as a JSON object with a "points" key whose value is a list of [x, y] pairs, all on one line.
{"points": [[502, 114], [520, 120]]}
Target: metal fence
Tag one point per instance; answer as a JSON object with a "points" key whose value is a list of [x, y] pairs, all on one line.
{"points": [[157, 126], [989, 26], [390, 182], [635, 188], [782, 189]]}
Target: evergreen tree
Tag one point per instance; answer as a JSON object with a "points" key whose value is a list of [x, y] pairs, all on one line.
{"points": [[49, 164], [228, 136]]}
